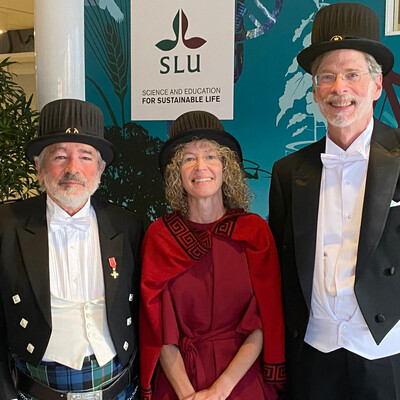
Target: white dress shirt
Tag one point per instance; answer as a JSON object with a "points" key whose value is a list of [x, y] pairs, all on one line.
{"points": [[79, 322], [336, 320]]}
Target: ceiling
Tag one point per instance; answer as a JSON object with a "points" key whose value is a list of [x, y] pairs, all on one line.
{"points": [[19, 13]]}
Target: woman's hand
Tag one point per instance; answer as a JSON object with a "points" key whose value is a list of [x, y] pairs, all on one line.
{"points": [[243, 360], [172, 363], [206, 394]]}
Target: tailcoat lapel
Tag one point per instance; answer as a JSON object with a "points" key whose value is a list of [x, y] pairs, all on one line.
{"points": [[305, 202], [33, 241], [382, 178], [111, 246]]}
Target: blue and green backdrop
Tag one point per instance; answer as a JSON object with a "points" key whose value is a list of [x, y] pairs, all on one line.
{"points": [[274, 113]]}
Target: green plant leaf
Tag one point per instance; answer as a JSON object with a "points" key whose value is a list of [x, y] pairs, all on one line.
{"points": [[18, 126]]}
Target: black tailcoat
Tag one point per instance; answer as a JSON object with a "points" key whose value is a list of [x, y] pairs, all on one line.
{"points": [[24, 272], [294, 201]]}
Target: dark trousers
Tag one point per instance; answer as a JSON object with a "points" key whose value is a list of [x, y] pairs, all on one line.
{"points": [[342, 375]]}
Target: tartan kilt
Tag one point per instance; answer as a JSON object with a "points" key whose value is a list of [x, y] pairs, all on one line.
{"points": [[60, 377]]}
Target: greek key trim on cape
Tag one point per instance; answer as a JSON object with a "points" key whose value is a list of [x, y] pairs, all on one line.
{"points": [[274, 373], [195, 243]]}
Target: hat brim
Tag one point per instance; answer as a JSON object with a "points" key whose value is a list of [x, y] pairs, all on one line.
{"points": [[382, 54], [105, 147], [221, 137]]}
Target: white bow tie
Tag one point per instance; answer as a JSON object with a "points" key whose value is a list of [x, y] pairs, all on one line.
{"points": [[333, 160], [80, 223]]}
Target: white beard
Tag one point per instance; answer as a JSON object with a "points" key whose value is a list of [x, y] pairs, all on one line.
{"points": [[70, 197], [341, 119]]}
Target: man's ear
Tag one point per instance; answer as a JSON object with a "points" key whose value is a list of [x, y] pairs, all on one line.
{"points": [[102, 168], [378, 85], [38, 167]]}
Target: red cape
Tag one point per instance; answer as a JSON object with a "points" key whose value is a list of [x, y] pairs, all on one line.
{"points": [[170, 247]]}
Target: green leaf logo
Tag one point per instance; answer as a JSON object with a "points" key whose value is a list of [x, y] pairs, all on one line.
{"points": [[190, 43], [167, 44]]}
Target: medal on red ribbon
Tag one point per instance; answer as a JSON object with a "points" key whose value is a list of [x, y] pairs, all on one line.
{"points": [[113, 266]]}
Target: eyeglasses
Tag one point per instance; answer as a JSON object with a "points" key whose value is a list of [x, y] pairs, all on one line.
{"points": [[191, 160], [327, 80]]}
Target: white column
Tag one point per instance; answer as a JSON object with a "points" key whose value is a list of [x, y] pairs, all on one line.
{"points": [[59, 48]]}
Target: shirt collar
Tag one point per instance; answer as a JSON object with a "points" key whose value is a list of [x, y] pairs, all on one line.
{"points": [[54, 209], [363, 142]]}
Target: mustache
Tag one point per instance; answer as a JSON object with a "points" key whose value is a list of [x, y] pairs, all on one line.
{"points": [[72, 177], [336, 97]]}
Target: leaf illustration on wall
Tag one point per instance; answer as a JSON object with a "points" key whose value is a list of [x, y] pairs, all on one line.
{"points": [[295, 89], [194, 42], [168, 44], [109, 42], [296, 104]]}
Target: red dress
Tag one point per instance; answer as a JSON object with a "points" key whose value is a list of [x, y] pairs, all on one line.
{"points": [[208, 309]]}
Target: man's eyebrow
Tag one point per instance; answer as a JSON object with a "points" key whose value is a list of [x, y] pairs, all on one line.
{"points": [[85, 151], [57, 148]]}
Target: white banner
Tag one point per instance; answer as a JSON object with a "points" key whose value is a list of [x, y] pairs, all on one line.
{"points": [[182, 58]]}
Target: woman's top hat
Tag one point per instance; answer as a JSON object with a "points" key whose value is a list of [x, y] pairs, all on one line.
{"points": [[196, 125]]}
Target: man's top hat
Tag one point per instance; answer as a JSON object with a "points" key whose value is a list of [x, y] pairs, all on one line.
{"points": [[196, 125], [346, 26], [71, 120]]}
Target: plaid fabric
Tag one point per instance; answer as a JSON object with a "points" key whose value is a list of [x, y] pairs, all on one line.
{"points": [[90, 378]]}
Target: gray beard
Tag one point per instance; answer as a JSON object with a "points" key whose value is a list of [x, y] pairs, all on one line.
{"points": [[339, 120], [66, 197]]}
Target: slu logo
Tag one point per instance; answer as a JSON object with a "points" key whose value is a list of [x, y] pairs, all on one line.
{"points": [[190, 43]]}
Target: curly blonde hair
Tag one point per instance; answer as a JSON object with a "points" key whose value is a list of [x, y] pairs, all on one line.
{"points": [[235, 191]]}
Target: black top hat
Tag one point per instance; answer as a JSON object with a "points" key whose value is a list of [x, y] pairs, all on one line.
{"points": [[196, 125], [346, 26], [71, 120]]}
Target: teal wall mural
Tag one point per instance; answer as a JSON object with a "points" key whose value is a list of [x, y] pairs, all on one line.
{"points": [[274, 113]]}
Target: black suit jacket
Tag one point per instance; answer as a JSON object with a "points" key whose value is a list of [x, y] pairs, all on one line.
{"points": [[294, 201], [24, 271]]}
